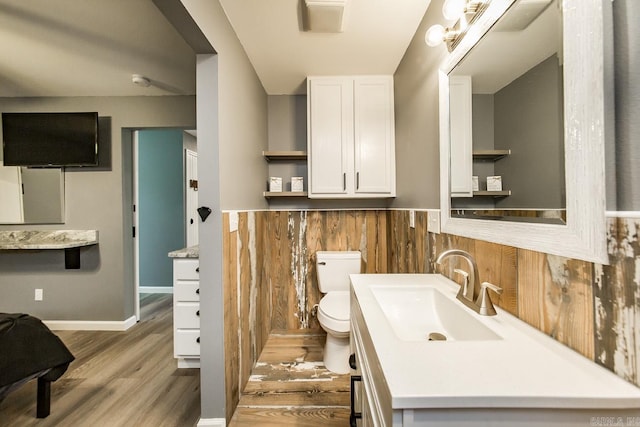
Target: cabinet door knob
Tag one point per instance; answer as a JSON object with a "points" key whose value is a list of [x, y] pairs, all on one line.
{"points": [[198, 313], [198, 340], [198, 270], [198, 291]]}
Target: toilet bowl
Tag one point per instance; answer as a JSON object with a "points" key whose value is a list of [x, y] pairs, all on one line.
{"points": [[333, 269]]}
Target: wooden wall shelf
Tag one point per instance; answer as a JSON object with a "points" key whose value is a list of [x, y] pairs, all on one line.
{"points": [[491, 155], [283, 194], [503, 193], [284, 155]]}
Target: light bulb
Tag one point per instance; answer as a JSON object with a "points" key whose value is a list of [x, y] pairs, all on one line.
{"points": [[452, 9], [435, 35]]}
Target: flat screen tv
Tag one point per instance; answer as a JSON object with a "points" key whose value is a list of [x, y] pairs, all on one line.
{"points": [[50, 139]]}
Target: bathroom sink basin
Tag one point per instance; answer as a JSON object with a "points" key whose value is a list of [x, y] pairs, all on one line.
{"points": [[421, 313]]}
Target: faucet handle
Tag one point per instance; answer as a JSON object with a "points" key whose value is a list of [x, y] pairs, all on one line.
{"points": [[465, 277], [484, 301], [497, 289]]}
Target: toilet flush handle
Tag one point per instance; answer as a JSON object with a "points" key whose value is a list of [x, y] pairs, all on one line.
{"points": [[322, 263]]}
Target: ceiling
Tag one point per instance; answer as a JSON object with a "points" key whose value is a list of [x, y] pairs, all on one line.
{"points": [[92, 47], [375, 38]]}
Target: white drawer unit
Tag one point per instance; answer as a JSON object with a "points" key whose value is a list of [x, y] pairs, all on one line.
{"points": [[186, 312]]}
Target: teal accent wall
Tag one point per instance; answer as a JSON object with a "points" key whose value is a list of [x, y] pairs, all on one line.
{"points": [[160, 203]]}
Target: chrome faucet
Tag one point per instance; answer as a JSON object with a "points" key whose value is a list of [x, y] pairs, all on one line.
{"points": [[472, 294]]}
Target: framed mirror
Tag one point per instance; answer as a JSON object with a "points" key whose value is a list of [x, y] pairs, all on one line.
{"points": [[560, 49], [31, 195]]}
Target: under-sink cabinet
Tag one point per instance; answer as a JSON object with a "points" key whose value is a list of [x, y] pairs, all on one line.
{"points": [[186, 312], [351, 137]]}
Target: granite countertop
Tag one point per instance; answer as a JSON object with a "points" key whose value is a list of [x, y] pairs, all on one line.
{"points": [[190, 252], [47, 239]]}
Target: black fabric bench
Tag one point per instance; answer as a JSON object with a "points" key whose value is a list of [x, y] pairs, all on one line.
{"points": [[29, 350]]}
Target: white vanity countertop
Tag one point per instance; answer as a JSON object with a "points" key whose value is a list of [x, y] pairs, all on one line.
{"points": [[47, 239], [190, 252], [525, 369]]}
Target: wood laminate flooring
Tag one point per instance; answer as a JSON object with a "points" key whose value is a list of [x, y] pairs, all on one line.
{"points": [[289, 386], [118, 379]]}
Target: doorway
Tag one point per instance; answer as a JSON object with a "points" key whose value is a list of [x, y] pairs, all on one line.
{"points": [[159, 208]]}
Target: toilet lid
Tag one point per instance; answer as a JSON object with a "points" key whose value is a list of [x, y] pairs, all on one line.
{"points": [[336, 305]]}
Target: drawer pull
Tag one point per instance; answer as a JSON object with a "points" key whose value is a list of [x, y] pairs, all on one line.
{"points": [[353, 416], [198, 313], [197, 269], [198, 340], [198, 291]]}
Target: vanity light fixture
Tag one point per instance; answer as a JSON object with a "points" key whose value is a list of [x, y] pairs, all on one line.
{"points": [[465, 11]]}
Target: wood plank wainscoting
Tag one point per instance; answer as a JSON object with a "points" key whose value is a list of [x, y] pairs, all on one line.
{"points": [[271, 289]]}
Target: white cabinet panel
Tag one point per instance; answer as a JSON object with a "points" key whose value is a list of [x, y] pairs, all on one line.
{"points": [[374, 135], [461, 136], [331, 118], [186, 311], [351, 137]]}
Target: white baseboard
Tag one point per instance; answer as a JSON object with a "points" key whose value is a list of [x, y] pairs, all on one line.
{"points": [[217, 422], [90, 325], [155, 289]]}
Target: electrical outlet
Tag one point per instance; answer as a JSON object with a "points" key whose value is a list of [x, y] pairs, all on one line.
{"points": [[433, 224], [38, 295], [412, 218]]}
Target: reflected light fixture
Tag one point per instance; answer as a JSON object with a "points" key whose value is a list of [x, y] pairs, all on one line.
{"points": [[464, 11], [140, 80]]}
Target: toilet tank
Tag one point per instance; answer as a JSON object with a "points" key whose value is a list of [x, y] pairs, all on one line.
{"points": [[333, 269]]}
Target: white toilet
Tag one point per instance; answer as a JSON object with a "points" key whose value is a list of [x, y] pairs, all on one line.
{"points": [[333, 269]]}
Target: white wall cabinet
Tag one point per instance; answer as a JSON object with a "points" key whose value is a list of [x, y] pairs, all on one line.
{"points": [[186, 312], [351, 137], [460, 102]]}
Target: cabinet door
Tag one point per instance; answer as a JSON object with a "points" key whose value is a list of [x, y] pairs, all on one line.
{"points": [[330, 135], [461, 136], [374, 135]]}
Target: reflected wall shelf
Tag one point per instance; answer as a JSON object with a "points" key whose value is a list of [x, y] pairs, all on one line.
{"points": [[503, 193], [490, 155], [284, 155]]}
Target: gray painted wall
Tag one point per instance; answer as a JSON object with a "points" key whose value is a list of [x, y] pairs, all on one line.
{"points": [[95, 199], [626, 15], [232, 133], [529, 121], [287, 128], [417, 119], [43, 197]]}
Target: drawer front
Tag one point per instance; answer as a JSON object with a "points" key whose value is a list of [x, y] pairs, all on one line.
{"points": [[186, 291], [186, 342], [186, 269], [186, 315]]}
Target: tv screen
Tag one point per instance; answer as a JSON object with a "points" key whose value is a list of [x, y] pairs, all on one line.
{"points": [[50, 139]]}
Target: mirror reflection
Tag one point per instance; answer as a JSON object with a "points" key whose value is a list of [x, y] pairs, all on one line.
{"points": [[507, 122], [31, 195]]}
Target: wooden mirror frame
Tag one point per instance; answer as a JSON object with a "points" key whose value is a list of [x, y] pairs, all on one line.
{"points": [[584, 234]]}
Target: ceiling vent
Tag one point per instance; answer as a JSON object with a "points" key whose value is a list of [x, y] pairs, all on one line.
{"points": [[325, 16]]}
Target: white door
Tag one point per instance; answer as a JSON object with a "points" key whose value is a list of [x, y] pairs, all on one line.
{"points": [[374, 135], [11, 210], [191, 191]]}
